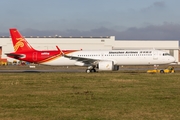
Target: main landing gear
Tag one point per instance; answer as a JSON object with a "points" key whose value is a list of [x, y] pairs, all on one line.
{"points": [[90, 69]]}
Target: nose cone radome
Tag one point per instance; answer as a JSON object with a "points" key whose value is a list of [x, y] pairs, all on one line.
{"points": [[172, 59]]}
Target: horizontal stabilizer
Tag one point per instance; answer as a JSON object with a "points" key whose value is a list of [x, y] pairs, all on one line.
{"points": [[14, 55]]}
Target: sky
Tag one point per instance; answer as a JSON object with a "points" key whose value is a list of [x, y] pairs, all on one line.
{"points": [[124, 19]]}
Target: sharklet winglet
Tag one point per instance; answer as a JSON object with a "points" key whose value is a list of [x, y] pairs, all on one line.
{"points": [[60, 50]]}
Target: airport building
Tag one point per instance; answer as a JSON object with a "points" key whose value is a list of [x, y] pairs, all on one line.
{"points": [[91, 43]]}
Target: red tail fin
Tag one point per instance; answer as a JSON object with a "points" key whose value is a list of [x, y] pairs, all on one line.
{"points": [[19, 42]]}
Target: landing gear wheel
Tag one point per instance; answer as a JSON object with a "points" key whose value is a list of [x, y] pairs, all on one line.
{"points": [[88, 70], [93, 70]]}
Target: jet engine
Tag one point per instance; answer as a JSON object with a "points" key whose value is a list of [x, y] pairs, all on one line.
{"points": [[107, 65]]}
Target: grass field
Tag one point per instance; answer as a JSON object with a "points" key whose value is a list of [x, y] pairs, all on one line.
{"points": [[97, 96]]}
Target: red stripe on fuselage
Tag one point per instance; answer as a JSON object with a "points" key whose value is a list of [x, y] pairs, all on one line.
{"points": [[57, 56], [41, 56]]}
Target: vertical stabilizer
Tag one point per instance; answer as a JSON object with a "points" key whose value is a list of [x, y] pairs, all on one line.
{"points": [[19, 42]]}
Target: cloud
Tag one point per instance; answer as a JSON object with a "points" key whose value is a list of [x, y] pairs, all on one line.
{"points": [[159, 4], [155, 6], [166, 31]]}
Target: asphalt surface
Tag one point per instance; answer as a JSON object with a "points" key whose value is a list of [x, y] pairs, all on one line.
{"points": [[46, 69], [39, 71]]}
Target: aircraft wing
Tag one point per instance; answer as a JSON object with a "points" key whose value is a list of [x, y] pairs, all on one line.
{"points": [[14, 55], [84, 60], [81, 59]]}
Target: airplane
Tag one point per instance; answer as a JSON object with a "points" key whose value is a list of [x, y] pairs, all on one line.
{"points": [[108, 60]]}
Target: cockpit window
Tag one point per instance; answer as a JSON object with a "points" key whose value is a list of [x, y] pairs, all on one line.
{"points": [[166, 54]]}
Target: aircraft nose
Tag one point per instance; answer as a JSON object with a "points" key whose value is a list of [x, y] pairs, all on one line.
{"points": [[172, 59]]}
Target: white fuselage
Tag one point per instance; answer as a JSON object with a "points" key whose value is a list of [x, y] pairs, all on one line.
{"points": [[119, 57]]}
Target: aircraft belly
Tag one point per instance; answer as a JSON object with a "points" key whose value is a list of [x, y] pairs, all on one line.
{"points": [[60, 62], [161, 61], [134, 61], [141, 61]]}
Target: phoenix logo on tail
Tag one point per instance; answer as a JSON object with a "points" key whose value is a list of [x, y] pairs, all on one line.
{"points": [[19, 44]]}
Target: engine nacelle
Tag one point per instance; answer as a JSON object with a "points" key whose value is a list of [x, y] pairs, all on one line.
{"points": [[107, 65]]}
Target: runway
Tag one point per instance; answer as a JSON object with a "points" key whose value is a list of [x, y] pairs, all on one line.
{"points": [[62, 70], [65, 69], [41, 71], [51, 71]]}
